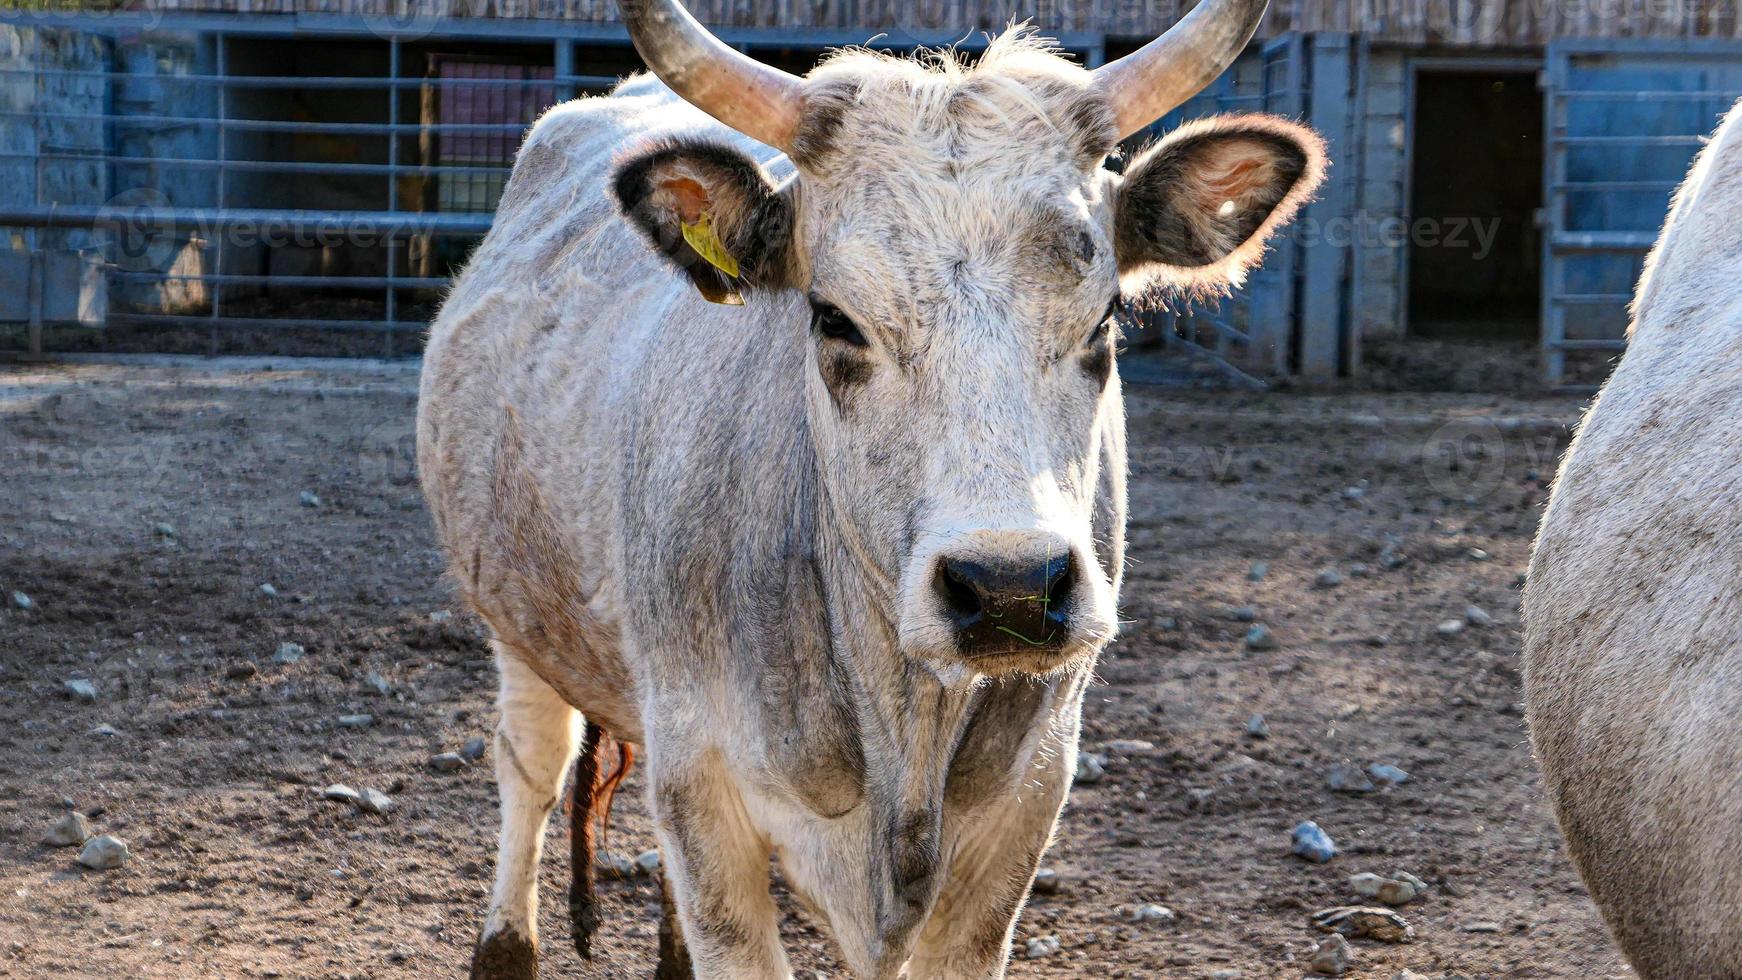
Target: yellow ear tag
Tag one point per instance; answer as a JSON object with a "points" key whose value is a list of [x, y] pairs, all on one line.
{"points": [[707, 244]]}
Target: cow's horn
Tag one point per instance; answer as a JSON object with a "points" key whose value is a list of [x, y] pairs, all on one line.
{"points": [[756, 100], [1150, 82]]}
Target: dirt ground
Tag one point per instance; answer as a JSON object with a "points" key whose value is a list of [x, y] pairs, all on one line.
{"points": [[240, 869]]}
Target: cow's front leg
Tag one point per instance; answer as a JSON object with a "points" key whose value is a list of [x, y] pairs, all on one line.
{"points": [[998, 849], [535, 742], [716, 865]]}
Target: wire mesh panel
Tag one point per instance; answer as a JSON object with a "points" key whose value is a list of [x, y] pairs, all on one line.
{"points": [[1625, 120]]}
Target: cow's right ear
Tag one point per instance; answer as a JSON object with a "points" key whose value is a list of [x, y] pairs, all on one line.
{"points": [[712, 212]]}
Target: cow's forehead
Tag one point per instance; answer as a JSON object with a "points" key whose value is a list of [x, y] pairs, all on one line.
{"points": [[923, 185]]}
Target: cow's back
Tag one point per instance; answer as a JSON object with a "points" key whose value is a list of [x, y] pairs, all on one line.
{"points": [[564, 341], [1633, 610]]}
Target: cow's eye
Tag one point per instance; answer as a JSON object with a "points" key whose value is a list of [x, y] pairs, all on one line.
{"points": [[829, 321], [1105, 327]]}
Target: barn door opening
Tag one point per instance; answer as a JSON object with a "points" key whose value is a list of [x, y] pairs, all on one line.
{"points": [[1474, 248]]}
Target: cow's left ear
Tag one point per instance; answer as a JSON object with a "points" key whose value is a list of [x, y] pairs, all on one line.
{"points": [[712, 212], [1195, 209]]}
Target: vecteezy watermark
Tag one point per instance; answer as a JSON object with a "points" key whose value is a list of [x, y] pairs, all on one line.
{"points": [[1367, 230], [412, 20], [387, 457]]}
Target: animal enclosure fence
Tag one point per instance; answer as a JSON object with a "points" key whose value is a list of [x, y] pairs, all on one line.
{"points": [[252, 185]]}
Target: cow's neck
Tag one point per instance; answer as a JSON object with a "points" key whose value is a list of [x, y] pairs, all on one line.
{"points": [[910, 716]]}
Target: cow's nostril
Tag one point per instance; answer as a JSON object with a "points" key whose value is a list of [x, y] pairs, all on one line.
{"points": [[1061, 578], [958, 583]]}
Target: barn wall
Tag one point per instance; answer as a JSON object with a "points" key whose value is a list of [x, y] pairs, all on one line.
{"points": [[1446, 23]]}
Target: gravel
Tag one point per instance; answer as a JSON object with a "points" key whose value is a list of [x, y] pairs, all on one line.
{"points": [[1328, 578], [1257, 727], [82, 689], [1040, 946], [1331, 957], [308, 498], [1091, 768], [342, 793], [1309, 841], [447, 762], [22, 601], [1450, 627], [373, 801], [1478, 617], [1387, 775], [1346, 777], [1259, 637], [288, 653], [1046, 882], [474, 748], [104, 853], [70, 830]]}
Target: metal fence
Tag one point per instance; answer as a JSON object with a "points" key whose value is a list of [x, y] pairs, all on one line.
{"points": [[236, 188]]}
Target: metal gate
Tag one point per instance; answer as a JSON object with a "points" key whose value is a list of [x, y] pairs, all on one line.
{"points": [[1291, 316], [1624, 121]]}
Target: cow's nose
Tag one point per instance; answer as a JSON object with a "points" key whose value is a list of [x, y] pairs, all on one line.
{"points": [[995, 605]]}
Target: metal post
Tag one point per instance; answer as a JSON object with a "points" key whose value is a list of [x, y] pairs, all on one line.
{"points": [[392, 187], [564, 63], [36, 287], [223, 42]]}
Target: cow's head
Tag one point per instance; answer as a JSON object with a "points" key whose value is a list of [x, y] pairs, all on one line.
{"points": [[962, 250]]}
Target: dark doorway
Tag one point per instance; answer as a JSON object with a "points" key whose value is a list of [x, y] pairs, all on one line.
{"points": [[1475, 255]]}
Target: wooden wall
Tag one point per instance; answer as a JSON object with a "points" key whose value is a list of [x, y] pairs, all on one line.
{"points": [[1460, 23]]}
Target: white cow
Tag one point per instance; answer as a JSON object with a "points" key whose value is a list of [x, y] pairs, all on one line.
{"points": [[1633, 609], [836, 551]]}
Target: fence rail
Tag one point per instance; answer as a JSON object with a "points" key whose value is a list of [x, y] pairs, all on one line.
{"points": [[234, 194]]}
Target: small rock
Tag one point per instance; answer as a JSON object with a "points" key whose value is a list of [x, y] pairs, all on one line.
{"points": [[375, 683], [1408, 975], [1346, 777], [1396, 892], [1480, 927], [1477, 554], [1151, 912], [1225, 975], [1257, 727], [266, 589], [241, 671], [647, 862], [1331, 957], [616, 866], [447, 762], [1387, 775], [356, 721], [309, 498], [1129, 746], [1366, 884], [441, 616], [106, 730], [1329, 578], [1358, 922], [165, 530], [1040, 946], [1309, 841], [82, 689], [1359, 570], [1241, 614], [1450, 627], [1259, 637], [104, 853], [22, 601], [288, 653], [1354, 493], [1046, 882], [373, 801], [69, 831], [473, 750], [1257, 572], [342, 793], [1091, 768], [1478, 617]]}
